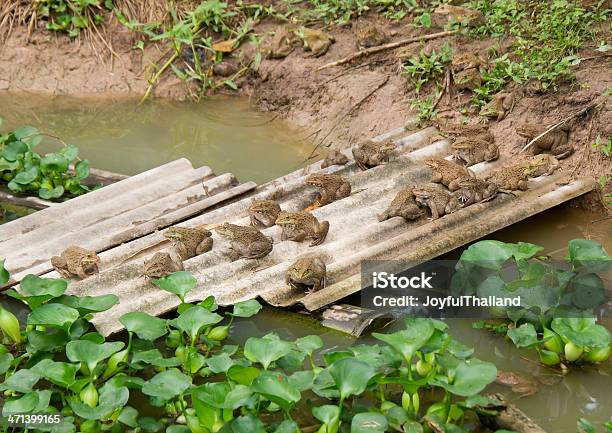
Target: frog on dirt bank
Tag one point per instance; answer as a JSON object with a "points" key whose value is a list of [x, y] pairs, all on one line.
{"points": [[298, 226], [473, 190], [447, 173], [332, 187], [316, 41], [190, 241], [263, 213], [435, 198], [76, 262], [501, 104], [245, 242], [306, 273], [472, 150], [281, 43], [555, 141], [334, 157], [161, 265], [370, 35], [513, 178], [466, 71], [403, 205], [373, 153]]}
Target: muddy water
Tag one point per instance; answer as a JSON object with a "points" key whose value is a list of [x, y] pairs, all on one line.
{"points": [[121, 136]]}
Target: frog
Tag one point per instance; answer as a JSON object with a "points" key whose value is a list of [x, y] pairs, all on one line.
{"points": [[281, 44], [332, 187], [403, 205], [473, 190], [263, 213], [246, 242], [466, 71], [334, 157], [472, 150], [161, 265], [513, 178], [542, 165], [190, 241], [501, 104], [454, 131], [435, 198], [370, 35], [306, 273], [447, 172], [75, 261], [519, 384], [301, 225], [316, 41], [370, 153], [555, 141]]}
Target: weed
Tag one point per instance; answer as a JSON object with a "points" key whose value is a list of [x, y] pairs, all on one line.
{"points": [[425, 108], [425, 67], [604, 147]]}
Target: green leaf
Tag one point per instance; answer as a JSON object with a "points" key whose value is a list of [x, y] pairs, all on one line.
{"points": [[194, 319], [27, 176], [59, 373], [5, 362], [54, 163], [32, 402], [12, 151], [219, 363], [112, 397], [69, 152], [91, 353], [276, 388], [129, 417], [155, 357], [147, 327], [327, 414], [590, 254], [243, 375], [302, 380], [524, 336], [33, 285], [351, 376], [29, 135], [309, 344], [471, 377], [179, 283], [22, 381], [56, 315], [89, 304], [488, 254], [167, 384], [81, 169], [582, 331], [247, 424], [4, 274], [8, 165], [266, 350], [588, 291], [48, 194], [369, 422], [408, 341], [287, 426], [247, 308]]}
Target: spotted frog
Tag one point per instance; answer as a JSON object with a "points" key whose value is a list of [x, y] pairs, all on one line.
{"points": [[263, 213], [373, 153], [555, 141], [470, 151], [473, 190], [370, 35], [190, 241], [306, 273], [245, 242], [298, 226], [542, 165], [76, 262], [281, 43], [334, 157], [332, 187], [447, 173], [316, 41], [513, 178], [501, 104], [435, 198], [161, 265], [403, 205]]}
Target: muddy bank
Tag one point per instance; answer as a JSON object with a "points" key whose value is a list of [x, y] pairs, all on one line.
{"points": [[338, 106]]}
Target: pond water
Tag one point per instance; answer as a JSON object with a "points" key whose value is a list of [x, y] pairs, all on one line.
{"points": [[228, 135]]}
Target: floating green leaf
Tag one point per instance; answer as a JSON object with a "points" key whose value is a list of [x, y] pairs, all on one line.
{"points": [[524, 336], [590, 254], [582, 331], [369, 422], [351, 376], [22, 381], [57, 315], [179, 283], [246, 308], [408, 341], [266, 350], [470, 377], [167, 384], [4, 275], [91, 353], [60, 373], [147, 327], [193, 320], [276, 388]]}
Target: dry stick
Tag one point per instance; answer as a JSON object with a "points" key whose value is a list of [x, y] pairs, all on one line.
{"points": [[389, 46], [563, 122]]}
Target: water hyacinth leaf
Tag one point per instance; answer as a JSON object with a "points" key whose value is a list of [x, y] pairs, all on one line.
{"points": [[147, 327], [8, 165], [488, 254], [128, 417], [287, 426], [525, 250], [243, 375], [324, 385], [112, 397], [81, 169], [590, 254], [22, 381], [54, 163], [5, 362], [89, 304], [369, 422], [524, 336], [351, 376], [4, 274], [327, 414], [413, 427], [10, 326], [248, 424], [69, 152], [266, 350], [56, 315], [302, 380], [33, 285], [91, 353], [276, 388], [29, 135], [220, 363], [59, 373], [246, 308], [408, 341], [154, 357], [40, 341], [588, 291], [12, 151], [32, 402], [179, 283], [167, 384], [150, 424], [194, 319], [178, 429], [48, 194], [309, 344], [582, 331], [212, 394], [471, 377]]}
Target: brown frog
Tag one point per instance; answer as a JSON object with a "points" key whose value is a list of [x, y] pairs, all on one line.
{"points": [[263, 213], [245, 242], [511, 178], [372, 153], [447, 173], [473, 190], [190, 241], [435, 198], [306, 273], [456, 130], [298, 226], [161, 265], [501, 104], [370, 35], [519, 384], [76, 262], [542, 165], [332, 187], [334, 157], [281, 44], [403, 205], [555, 141], [466, 71], [316, 41], [470, 151]]}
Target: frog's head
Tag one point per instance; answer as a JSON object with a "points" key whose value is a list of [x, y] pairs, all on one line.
{"points": [[89, 263]]}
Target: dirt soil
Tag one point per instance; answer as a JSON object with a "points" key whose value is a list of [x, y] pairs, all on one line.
{"points": [[339, 106]]}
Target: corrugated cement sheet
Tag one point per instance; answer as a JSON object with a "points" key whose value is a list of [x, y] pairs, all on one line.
{"points": [[355, 235], [114, 214]]}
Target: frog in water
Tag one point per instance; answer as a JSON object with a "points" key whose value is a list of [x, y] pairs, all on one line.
{"points": [[403, 205], [334, 157], [511, 178], [263, 213], [76, 262], [245, 242], [435, 198], [306, 273], [370, 35], [555, 141], [447, 173], [373, 153], [316, 41], [472, 150], [473, 190], [190, 241], [161, 265], [298, 226], [501, 104], [332, 187]]}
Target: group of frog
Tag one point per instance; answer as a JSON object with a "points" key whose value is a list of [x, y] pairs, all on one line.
{"points": [[453, 186]]}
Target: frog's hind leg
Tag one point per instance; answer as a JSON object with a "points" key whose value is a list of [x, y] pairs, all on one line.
{"points": [[321, 233], [204, 246]]}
